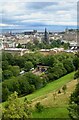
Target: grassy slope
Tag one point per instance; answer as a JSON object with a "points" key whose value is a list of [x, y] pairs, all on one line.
{"points": [[56, 110], [52, 113], [53, 86]]}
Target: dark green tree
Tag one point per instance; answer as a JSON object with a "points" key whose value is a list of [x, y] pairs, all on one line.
{"points": [[7, 74], [64, 88], [15, 70], [5, 65], [39, 107], [19, 46], [74, 104], [28, 65]]}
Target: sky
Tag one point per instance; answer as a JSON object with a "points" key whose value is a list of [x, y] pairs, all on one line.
{"points": [[29, 14]]}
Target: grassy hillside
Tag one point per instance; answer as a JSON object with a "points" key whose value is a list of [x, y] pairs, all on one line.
{"points": [[52, 113], [53, 108], [51, 87]]}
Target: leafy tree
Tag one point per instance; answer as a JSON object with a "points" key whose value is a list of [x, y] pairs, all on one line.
{"points": [[64, 88], [19, 61], [19, 46], [28, 65], [47, 60], [68, 64], [76, 61], [74, 104], [0, 75], [15, 70], [57, 71], [15, 109], [76, 74], [66, 45], [39, 107], [5, 93], [5, 65], [36, 42], [7, 74], [34, 80], [24, 85]]}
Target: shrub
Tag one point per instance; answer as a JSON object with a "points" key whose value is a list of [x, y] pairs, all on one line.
{"points": [[39, 107]]}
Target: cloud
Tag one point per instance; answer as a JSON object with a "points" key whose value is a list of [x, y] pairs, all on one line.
{"points": [[28, 13]]}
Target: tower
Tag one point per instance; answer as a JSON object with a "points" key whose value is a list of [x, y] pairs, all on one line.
{"points": [[46, 38]]}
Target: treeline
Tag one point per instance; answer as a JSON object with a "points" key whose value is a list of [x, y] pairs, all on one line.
{"points": [[24, 85], [12, 65], [43, 45], [74, 98], [57, 66]]}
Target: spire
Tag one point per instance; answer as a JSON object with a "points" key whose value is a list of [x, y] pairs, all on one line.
{"points": [[46, 36]]}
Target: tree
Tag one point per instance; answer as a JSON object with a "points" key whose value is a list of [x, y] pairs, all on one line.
{"points": [[15, 70], [5, 65], [34, 80], [7, 74], [5, 93], [19, 61], [74, 104], [66, 45], [76, 74], [16, 109], [68, 64], [28, 65], [19, 46], [64, 88], [39, 107]]}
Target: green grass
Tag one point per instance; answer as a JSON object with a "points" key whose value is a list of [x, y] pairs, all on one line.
{"points": [[51, 113], [53, 86]]}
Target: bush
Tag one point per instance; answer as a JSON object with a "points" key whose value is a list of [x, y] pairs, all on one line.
{"points": [[59, 92], [64, 88], [39, 107]]}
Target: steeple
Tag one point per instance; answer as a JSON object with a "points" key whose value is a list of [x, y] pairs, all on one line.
{"points": [[46, 36]]}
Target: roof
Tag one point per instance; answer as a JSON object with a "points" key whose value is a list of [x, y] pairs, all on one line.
{"points": [[15, 49]]}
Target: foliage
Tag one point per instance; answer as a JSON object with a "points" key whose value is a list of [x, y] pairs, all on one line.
{"points": [[15, 109], [7, 74], [5, 65], [68, 64], [76, 74], [15, 70], [39, 107], [74, 104], [74, 101], [28, 65], [57, 66], [24, 85], [64, 88], [19, 46]]}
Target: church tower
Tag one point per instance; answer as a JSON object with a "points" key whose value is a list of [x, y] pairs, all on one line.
{"points": [[46, 38]]}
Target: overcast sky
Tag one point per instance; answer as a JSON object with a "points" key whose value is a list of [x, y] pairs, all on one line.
{"points": [[21, 13]]}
